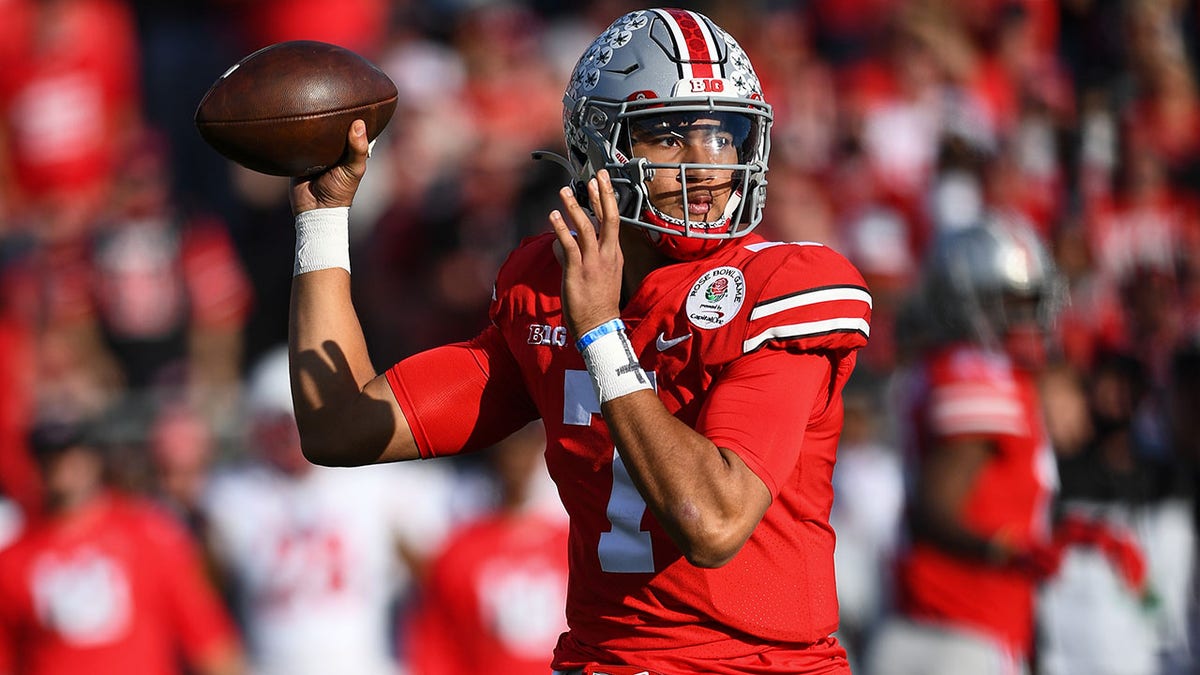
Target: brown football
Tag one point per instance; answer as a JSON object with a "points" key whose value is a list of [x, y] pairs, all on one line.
{"points": [[285, 109]]}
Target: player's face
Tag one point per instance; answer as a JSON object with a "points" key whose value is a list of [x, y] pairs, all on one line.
{"points": [[704, 139], [1025, 338]]}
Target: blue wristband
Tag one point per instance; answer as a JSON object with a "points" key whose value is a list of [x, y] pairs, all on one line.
{"points": [[599, 332]]}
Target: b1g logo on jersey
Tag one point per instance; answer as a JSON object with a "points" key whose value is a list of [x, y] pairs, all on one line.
{"points": [[542, 334], [716, 297]]}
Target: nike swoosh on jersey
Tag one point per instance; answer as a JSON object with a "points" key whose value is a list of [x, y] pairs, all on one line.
{"points": [[664, 344]]}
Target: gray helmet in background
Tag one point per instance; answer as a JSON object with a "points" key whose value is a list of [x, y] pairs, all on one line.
{"points": [[981, 282]]}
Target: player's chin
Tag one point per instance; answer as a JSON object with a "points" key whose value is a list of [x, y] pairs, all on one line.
{"points": [[706, 210], [698, 215]]}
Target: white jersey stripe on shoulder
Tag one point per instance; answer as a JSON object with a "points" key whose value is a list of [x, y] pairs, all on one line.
{"points": [[812, 297], [807, 329]]}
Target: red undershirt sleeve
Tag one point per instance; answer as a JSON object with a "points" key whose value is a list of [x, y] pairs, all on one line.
{"points": [[462, 397]]}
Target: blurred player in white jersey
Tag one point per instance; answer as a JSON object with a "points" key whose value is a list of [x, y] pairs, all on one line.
{"points": [[316, 557]]}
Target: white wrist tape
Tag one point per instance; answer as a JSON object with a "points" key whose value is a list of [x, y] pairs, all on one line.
{"points": [[613, 366], [322, 240]]}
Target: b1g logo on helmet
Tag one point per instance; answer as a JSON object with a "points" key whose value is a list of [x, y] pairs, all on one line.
{"points": [[716, 297], [706, 85]]}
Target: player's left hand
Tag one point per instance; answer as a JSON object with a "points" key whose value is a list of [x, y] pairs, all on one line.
{"points": [[335, 186], [591, 256]]}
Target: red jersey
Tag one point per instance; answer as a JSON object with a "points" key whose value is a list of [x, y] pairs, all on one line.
{"points": [[117, 589], [725, 339], [68, 88], [966, 391], [493, 601]]}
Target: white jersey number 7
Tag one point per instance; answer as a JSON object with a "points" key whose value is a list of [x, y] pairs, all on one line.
{"points": [[626, 548]]}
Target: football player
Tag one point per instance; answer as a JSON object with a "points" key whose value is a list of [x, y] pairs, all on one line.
{"points": [[688, 373], [315, 558], [982, 469], [104, 580]]}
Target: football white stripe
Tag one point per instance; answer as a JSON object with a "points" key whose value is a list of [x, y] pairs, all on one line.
{"points": [[810, 298], [807, 329]]}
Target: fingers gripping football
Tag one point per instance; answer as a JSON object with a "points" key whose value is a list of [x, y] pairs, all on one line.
{"points": [[591, 255], [336, 186]]}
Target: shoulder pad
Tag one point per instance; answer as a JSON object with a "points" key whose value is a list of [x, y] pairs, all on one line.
{"points": [[974, 392]]}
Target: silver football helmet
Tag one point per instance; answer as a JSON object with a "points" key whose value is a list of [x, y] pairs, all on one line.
{"points": [[983, 281], [661, 68]]}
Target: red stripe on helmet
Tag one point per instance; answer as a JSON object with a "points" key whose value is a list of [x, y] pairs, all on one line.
{"points": [[699, 46]]}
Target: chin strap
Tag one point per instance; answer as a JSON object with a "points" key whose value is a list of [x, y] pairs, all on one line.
{"points": [[661, 219]]}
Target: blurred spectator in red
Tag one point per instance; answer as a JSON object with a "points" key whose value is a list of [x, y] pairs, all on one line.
{"points": [[47, 288], [495, 595], [106, 582], [1165, 111], [171, 294], [894, 112], [511, 92], [182, 451], [1146, 222], [69, 98], [878, 238], [423, 149], [801, 86], [1017, 66], [358, 25], [846, 31], [19, 478], [1144, 244]]}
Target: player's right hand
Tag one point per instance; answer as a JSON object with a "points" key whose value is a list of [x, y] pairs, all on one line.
{"points": [[335, 186], [591, 256]]}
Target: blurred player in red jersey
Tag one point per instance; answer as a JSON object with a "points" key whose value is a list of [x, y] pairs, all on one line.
{"points": [[494, 596], [106, 583], [688, 372], [982, 466]]}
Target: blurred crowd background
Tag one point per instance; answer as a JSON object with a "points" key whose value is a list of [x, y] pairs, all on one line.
{"points": [[143, 278]]}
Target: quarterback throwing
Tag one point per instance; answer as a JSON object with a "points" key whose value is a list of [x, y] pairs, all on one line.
{"points": [[688, 372]]}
